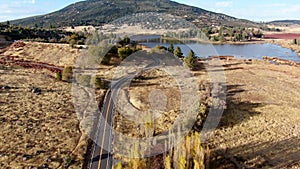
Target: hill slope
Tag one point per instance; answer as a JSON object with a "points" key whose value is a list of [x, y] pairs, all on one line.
{"points": [[98, 12], [285, 22]]}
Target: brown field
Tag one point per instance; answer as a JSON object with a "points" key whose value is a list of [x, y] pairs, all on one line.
{"points": [[40, 130], [285, 36], [56, 54], [259, 128]]}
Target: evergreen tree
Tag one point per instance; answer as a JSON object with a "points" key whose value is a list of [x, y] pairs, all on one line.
{"points": [[171, 48], [190, 60], [178, 52]]}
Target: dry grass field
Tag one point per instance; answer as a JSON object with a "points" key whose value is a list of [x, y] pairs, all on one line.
{"points": [[39, 125], [37, 130], [57, 54], [260, 127]]}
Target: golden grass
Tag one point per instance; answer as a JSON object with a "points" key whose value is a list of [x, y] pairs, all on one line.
{"points": [[38, 129], [57, 54]]}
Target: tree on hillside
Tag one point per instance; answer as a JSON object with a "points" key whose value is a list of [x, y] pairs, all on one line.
{"points": [[178, 52], [124, 52], [190, 60], [125, 41], [171, 48]]}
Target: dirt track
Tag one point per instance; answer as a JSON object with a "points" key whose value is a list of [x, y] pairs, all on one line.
{"points": [[261, 125]]}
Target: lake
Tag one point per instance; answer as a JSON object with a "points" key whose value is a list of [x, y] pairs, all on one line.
{"points": [[245, 51]]}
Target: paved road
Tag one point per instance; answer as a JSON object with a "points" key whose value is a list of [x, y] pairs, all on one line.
{"points": [[101, 158]]}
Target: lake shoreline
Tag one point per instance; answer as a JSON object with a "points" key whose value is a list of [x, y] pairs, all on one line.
{"points": [[286, 44], [256, 49], [196, 40]]}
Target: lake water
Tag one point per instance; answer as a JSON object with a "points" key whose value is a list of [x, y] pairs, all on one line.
{"points": [[247, 51]]}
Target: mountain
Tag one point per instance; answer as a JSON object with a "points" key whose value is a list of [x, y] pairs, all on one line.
{"points": [[99, 12], [285, 22]]}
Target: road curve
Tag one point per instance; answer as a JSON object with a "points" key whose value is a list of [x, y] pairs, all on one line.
{"points": [[101, 157]]}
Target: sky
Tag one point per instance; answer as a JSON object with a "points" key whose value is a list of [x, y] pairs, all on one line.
{"points": [[254, 10]]}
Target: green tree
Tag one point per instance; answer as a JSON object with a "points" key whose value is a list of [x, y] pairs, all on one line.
{"points": [[221, 38], [67, 74], [178, 52], [124, 52], [125, 41], [295, 42], [171, 48], [59, 76], [97, 82], [113, 50], [190, 60]]}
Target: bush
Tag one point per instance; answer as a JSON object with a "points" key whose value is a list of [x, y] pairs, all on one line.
{"points": [[59, 76], [97, 82], [124, 52], [67, 74], [160, 47], [72, 43]]}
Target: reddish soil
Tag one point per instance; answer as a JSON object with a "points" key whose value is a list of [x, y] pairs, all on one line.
{"points": [[29, 64], [282, 36]]}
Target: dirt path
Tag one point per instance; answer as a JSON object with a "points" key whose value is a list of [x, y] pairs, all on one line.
{"points": [[261, 126]]}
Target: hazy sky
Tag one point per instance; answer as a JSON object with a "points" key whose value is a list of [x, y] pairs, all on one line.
{"points": [[256, 10]]}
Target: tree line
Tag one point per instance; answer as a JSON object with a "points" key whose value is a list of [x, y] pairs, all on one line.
{"points": [[190, 60]]}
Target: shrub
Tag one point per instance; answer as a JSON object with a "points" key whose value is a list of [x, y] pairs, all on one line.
{"points": [[59, 76], [97, 82], [124, 52], [67, 74], [160, 47], [72, 43], [119, 166]]}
